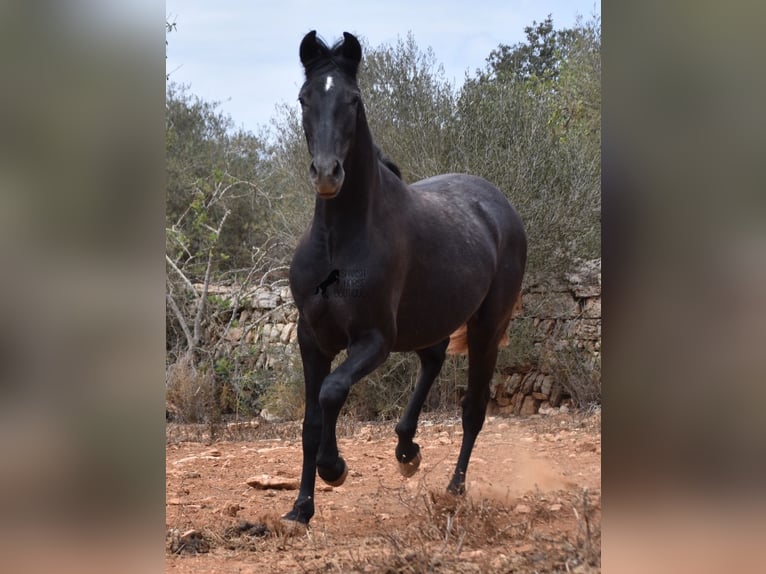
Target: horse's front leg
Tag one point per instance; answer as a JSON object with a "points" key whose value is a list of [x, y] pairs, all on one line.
{"points": [[365, 354], [316, 366]]}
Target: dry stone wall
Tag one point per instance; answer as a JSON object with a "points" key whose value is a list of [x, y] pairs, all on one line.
{"points": [[564, 317], [562, 320]]}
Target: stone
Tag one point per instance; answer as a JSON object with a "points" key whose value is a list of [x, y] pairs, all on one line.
{"points": [[266, 482], [265, 299], [286, 295], [545, 386], [583, 291], [522, 509], [514, 383], [529, 406], [592, 308], [557, 394], [528, 384], [269, 417], [587, 329], [234, 334], [545, 408]]}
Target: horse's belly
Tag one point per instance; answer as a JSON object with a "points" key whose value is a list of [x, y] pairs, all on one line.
{"points": [[424, 319]]}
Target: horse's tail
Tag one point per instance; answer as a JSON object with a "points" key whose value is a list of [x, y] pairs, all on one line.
{"points": [[458, 341]]}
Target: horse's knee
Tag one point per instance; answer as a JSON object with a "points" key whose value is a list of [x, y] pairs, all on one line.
{"points": [[333, 393]]}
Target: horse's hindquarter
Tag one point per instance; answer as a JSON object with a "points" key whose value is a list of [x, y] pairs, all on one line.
{"points": [[463, 233]]}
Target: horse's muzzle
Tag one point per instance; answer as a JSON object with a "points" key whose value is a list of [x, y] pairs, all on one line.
{"points": [[327, 177]]}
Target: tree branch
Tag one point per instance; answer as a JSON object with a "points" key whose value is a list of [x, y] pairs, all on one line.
{"points": [[181, 275], [181, 321], [206, 284]]}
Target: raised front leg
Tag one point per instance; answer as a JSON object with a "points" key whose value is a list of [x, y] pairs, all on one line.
{"points": [[316, 366], [365, 354], [408, 451]]}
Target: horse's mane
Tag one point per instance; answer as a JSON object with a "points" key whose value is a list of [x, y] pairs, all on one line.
{"points": [[388, 162]]}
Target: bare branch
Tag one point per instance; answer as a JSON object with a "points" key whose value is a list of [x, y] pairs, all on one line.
{"points": [[180, 273], [181, 321], [206, 284]]}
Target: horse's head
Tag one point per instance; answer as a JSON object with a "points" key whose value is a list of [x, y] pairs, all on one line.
{"points": [[331, 106]]}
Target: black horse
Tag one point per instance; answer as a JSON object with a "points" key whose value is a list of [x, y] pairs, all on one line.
{"points": [[425, 259]]}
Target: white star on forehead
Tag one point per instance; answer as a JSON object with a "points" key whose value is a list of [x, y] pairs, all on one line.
{"points": [[328, 83]]}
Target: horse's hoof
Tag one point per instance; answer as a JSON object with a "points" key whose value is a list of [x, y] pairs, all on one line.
{"points": [[340, 480], [292, 527], [409, 468]]}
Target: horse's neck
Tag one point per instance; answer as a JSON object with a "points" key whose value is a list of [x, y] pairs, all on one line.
{"points": [[346, 217]]}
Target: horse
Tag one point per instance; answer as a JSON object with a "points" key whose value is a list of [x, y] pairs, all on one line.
{"points": [[415, 264]]}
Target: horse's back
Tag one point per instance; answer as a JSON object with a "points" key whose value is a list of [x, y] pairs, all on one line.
{"points": [[473, 205], [465, 236]]}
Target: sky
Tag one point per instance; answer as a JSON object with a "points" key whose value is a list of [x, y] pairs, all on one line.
{"points": [[244, 54]]}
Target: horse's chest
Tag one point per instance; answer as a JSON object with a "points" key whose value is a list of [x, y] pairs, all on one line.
{"points": [[334, 303]]}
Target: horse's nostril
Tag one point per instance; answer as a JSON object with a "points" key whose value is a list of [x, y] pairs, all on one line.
{"points": [[313, 170], [336, 170]]}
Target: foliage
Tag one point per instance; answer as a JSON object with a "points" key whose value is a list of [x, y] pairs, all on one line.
{"points": [[219, 230], [189, 392], [530, 122], [535, 59], [211, 171], [409, 106]]}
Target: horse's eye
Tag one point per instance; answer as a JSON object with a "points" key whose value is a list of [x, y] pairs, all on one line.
{"points": [[301, 101]]}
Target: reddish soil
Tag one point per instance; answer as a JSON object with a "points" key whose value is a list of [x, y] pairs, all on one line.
{"points": [[533, 500]]}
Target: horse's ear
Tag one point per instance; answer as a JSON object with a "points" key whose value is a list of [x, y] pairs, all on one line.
{"points": [[311, 49], [351, 50]]}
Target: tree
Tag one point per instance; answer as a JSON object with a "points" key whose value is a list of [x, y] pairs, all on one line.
{"points": [[530, 123], [219, 235], [409, 106], [211, 170], [537, 58]]}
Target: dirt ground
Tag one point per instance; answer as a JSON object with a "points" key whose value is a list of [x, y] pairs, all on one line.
{"points": [[533, 501]]}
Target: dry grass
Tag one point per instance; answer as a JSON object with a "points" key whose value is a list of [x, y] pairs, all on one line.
{"points": [[188, 392], [446, 534]]}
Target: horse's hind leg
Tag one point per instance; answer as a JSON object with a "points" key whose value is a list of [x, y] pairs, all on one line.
{"points": [[407, 451], [483, 341]]}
